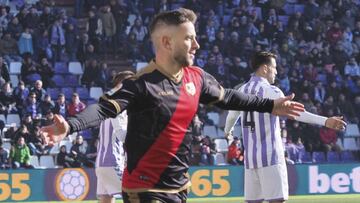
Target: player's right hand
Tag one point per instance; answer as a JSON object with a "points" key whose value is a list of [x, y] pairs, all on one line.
{"points": [[57, 131], [286, 107]]}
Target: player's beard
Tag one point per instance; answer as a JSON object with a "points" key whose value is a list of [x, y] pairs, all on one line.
{"points": [[182, 59]]}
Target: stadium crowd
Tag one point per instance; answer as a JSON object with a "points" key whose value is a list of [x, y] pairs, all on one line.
{"points": [[318, 55]]}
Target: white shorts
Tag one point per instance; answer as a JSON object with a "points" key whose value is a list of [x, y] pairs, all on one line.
{"points": [[267, 183], [109, 181]]}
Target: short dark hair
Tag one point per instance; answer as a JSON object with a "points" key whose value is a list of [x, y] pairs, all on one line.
{"points": [[260, 58], [174, 17], [120, 76]]}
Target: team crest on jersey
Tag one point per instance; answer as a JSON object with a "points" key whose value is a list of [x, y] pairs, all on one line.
{"points": [[190, 88]]}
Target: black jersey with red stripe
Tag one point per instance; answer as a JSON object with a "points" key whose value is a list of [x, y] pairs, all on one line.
{"points": [[159, 114], [158, 140]]}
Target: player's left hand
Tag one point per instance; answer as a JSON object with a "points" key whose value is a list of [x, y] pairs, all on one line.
{"points": [[335, 123], [57, 131], [286, 107]]}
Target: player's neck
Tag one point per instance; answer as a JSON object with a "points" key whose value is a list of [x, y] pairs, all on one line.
{"points": [[261, 75], [170, 69]]}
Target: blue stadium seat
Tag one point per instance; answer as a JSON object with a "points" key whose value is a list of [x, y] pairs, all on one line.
{"points": [[284, 20], [347, 156], [58, 80], [299, 8], [289, 9], [333, 157], [33, 77], [319, 156], [83, 93], [72, 81], [87, 134], [61, 68], [53, 92], [68, 91]]}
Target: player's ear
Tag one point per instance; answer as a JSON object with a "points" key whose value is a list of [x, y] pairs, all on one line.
{"points": [[166, 42], [265, 68]]}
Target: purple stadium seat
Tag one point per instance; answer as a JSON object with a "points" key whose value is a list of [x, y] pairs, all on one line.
{"points": [[299, 8], [71, 81], [319, 156], [284, 19], [333, 157], [68, 91], [59, 80], [289, 9], [83, 93], [347, 156], [86, 134], [61, 68], [53, 92], [33, 77]]}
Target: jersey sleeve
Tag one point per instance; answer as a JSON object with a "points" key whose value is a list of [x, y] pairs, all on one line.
{"points": [[212, 91], [114, 102], [231, 119], [109, 106]]}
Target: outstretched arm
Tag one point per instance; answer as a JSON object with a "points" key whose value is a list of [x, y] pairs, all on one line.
{"points": [[334, 122]]}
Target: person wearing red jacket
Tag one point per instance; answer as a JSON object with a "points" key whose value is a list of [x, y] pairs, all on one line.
{"points": [[235, 156], [76, 106]]}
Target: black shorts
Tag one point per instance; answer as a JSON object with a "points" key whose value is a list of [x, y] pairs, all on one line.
{"points": [[154, 197]]}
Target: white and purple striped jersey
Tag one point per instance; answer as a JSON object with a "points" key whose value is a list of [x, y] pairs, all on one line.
{"points": [[112, 135], [261, 131]]}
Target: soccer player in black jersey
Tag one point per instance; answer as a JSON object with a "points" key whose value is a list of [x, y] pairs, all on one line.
{"points": [[161, 101]]}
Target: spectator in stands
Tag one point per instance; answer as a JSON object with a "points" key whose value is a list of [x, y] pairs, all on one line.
{"points": [[319, 92], [235, 156], [7, 100], [346, 108], [132, 48], [4, 19], [32, 106], [36, 142], [79, 7], [139, 30], [287, 159], [42, 45], [91, 74], [76, 106], [64, 159], [208, 151], [79, 151], [20, 155], [109, 27], [311, 139], [47, 17], [20, 93], [46, 72], [28, 122], [25, 42], [4, 72], [32, 19], [82, 48], [9, 48], [47, 104], [61, 106], [4, 156], [15, 28], [57, 39], [49, 119], [39, 91], [352, 68], [94, 28], [29, 70], [328, 139], [72, 42]]}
